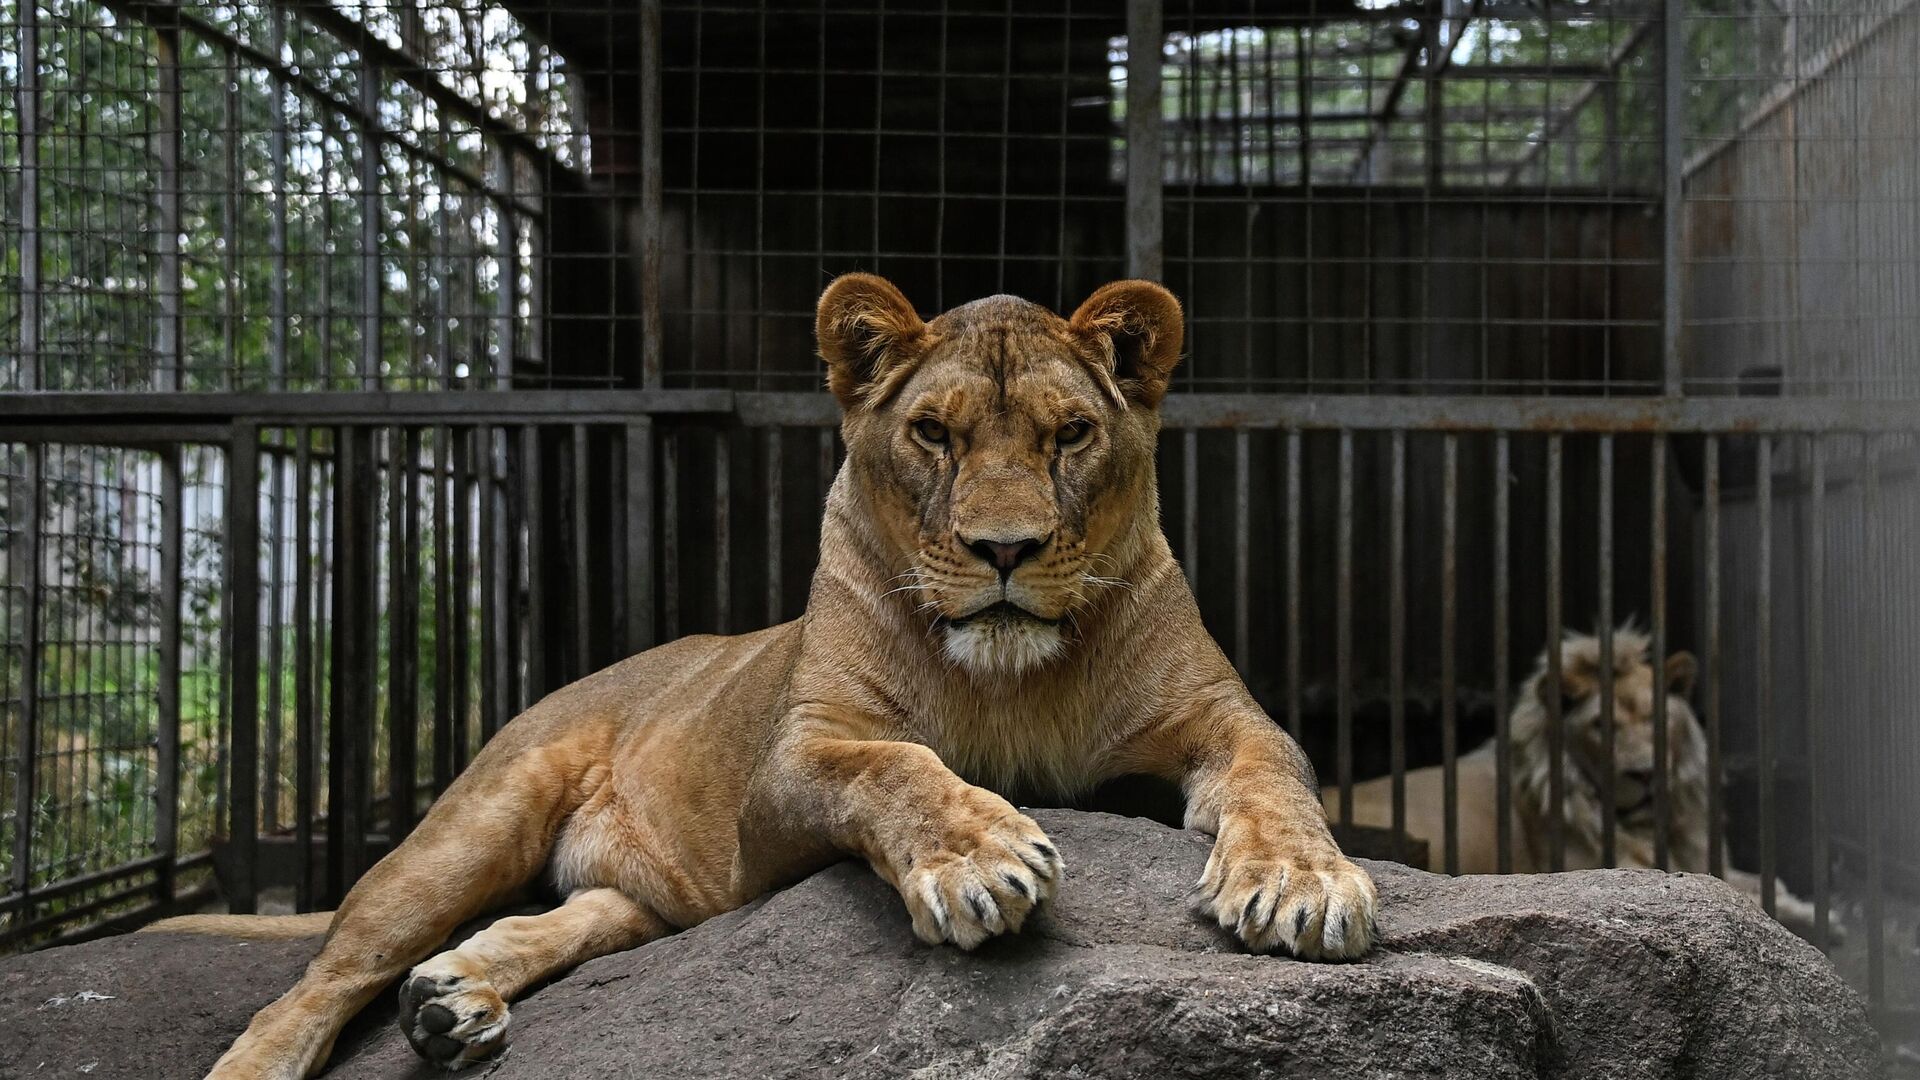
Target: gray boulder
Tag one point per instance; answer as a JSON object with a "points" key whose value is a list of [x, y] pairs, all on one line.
{"points": [[1611, 974]]}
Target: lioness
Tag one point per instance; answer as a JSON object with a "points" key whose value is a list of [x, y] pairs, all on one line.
{"points": [[1583, 762], [996, 611]]}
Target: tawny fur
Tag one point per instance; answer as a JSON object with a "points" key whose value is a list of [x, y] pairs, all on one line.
{"points": [[1583, 763], [921, 690]]}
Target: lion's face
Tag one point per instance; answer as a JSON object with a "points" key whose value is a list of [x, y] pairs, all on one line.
{"points": [[1007, 453], [1634, 686]]}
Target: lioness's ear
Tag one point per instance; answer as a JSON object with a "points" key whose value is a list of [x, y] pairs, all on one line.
{"points": [[1138, 327], [1681, 669], [868, 335]]}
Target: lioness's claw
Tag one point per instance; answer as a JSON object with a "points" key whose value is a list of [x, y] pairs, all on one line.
{"points": [[1315, 906], [964, 898], [451, 1014]]}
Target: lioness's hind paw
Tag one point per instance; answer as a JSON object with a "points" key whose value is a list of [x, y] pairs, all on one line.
{"points": [[451, 1014]]}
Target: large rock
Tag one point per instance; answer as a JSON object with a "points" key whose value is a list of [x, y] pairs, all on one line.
{"points": [[1612, 974]]}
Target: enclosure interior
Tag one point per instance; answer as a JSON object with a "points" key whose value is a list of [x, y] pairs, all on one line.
{"points": [[400, 363]]}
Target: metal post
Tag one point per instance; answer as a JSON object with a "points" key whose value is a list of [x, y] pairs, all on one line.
{"points": [[506, 285], [1658, 644], [167, 693], [639, 569], [651, 200], [243, 569], [1145, 32], [1673, 165]]}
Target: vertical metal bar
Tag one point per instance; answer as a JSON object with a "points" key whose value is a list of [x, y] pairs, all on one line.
{"points": [[243, 569], [1817, 706], [723, 531], [1658, 591], [1762, 662], [1556, 729], [495, 632], [530, 472], [1242, 542], [27, 114], [1449, 650], [1609, 808], [276, 626], [651, 197], [305, 730], [775, 525], [403, 715], [1502, 660], [277, 235], [341, 640], [670, 532], [1716, 851], [1295, 602], [582, 559], [1397, 640], [27, 734], [1190, 506], [1673, 168], [167, 692], [1877, 816], [443, 494], [371, 285], [1145, 32], [1344, 632], [168, 340], [640, 525], [506, 290], [462, 599]]}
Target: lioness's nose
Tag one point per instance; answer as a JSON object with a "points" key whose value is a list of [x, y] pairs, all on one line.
{"points": [[1005, 555]]}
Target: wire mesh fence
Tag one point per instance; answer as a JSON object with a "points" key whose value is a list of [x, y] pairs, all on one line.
{"points": [[398, 362]]}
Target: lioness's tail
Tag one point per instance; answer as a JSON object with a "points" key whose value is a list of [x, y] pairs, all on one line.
{"points": [[249, 927]]}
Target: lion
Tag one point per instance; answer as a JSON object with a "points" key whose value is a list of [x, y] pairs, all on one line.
{"points": [[996, 615], [1583, 756]]}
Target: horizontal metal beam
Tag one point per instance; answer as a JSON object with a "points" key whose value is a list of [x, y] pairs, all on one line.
{"points": [[146, 416]]}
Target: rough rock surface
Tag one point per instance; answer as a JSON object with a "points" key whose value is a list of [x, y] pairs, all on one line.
{"points": [[1631, 974]]}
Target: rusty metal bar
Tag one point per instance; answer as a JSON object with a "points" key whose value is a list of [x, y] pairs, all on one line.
{"points": [[1657, 494], [1343, 767], [1551, 691], [1502, 658], [243, 570], [1145, 211], [1603, 618], [1767, 766]]}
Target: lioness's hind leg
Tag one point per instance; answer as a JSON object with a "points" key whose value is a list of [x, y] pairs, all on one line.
{"points": [[453, 1007]]}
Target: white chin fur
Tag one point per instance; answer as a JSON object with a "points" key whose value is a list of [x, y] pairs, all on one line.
{"points": [[1006, 646]]}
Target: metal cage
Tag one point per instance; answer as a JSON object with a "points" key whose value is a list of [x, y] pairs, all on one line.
{"points": [[374, 368]]}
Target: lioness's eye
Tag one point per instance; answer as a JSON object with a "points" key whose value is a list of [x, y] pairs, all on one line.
{"points": [[1072, 433], [930, 430]]}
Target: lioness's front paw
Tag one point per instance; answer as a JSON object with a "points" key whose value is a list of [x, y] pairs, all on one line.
{"points": [[1314, 904], [450, 1012], [998, 876]]}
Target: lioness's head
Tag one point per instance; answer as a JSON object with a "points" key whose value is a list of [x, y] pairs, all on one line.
{"points": [[1005, 453], [1635, 682]]}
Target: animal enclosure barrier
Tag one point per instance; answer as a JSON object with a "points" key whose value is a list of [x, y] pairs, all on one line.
{"points": [[373, 369]]}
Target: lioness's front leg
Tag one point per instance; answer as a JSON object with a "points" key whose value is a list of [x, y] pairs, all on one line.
{"points": [[1276, 878], [968, 864]]}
